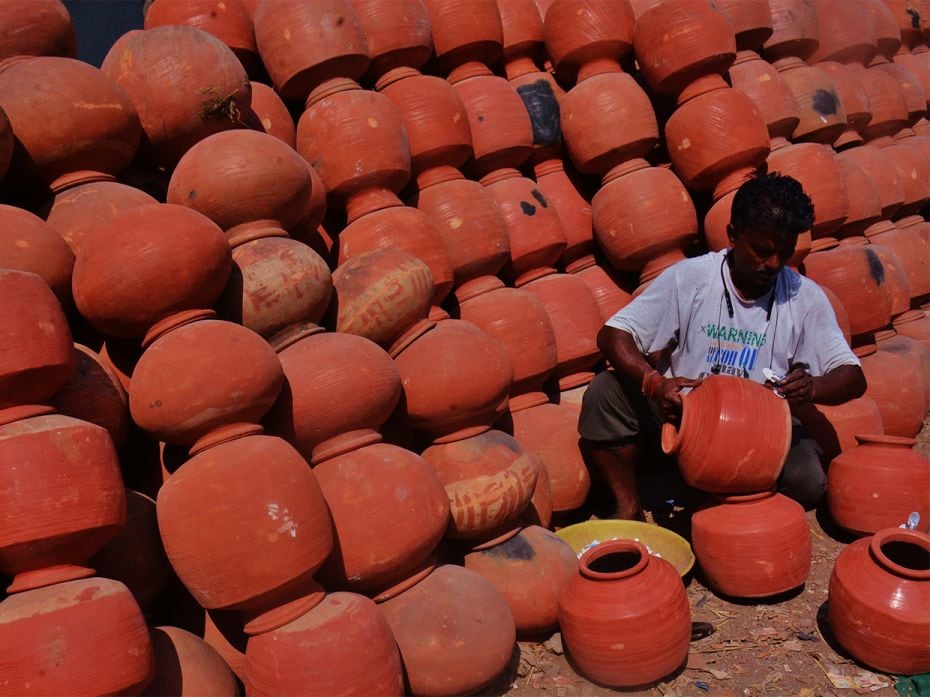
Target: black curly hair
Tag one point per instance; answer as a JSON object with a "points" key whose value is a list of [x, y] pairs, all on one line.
{"points": [[773, 204]]}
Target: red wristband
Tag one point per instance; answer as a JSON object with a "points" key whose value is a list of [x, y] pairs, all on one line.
{"points": [[651, 380]]}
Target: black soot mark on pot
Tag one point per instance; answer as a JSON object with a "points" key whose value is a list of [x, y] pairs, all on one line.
{"points": [[875, 266], [514, 548], [825, 102], [528, 208], [543, 109], [915, 17], [539, 197]]}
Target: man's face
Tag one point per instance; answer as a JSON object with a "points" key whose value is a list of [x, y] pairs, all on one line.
{"points": [[758, 257]]}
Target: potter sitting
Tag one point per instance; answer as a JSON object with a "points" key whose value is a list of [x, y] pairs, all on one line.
{"points": [[740, 312]]}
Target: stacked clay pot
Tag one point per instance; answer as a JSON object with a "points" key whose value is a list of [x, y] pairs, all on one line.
{"points": [[33, 246], [911, 350], [907, 239], [269, 114], [41, 28], [880, 600], [878, 484], [186, 664], [625, 617], [894, 382]]}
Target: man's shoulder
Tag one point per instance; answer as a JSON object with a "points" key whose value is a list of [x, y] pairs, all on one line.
{"points": [[700, 268]]}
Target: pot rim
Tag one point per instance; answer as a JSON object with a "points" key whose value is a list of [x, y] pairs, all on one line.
{"points": [[913, 537], [880, 439], [613, 547]]}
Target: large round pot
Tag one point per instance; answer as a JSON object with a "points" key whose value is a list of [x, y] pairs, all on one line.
{"points": [[566, 194], [794, 25], [914, 324], [854, 100], [835, 427], [766, 88], [397, 33], [884, 175], [822, 113], [268, 114], [187, 665], [34, 246], [845, 33], [913, 351], [625, 617], [734, 436], [909, 239], [36, 28], [464, 32], [894, 382], [865, 204]]}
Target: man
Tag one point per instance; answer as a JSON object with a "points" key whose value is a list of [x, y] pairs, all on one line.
{"points": [[734, 312]]}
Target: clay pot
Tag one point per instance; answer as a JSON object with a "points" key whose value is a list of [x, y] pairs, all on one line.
{"points": [[465, 32], [79, 210], [845, 33], [224, 633], [914, 324], [751, 22], [50, 532], [551, 431], [403, 229], [767, 90], [454, 630], [103, 645], [33, 246], [126, 285], [912, 350], [322, 410], [268, 532], [41, 359], [185, 83], [37, 91], [865, 205], [889, 110], [343, 646], [397, 33], [135, 557], [910, 249], [40, 28], [581, 37], [894, 383], [794, 25], [576, 319], [625, 617], [389, 512], [822, 114], [895, 276], [887, 33], [835, 427], [722, 420], [270, 115], [854, 101], [203, 383], [917, 63], [879, 601], [752, 546], [915, 100], [519, 321], [914, 173], [884, 175], [839, 310], [611, 296], [187, 665], [489, 479], [303, 45], [529, 571], [94, 393], [456, 380], [563, 193], [522, 25], [380, 294], [643, 218]]}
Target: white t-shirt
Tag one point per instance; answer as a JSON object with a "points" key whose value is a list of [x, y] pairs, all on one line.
{"points": [[684, 309]]}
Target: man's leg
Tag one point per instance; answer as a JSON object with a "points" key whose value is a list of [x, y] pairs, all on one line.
{"points": [[618, 468], [803, 478]]}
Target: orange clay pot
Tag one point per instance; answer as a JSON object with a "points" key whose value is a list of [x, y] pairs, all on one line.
{"points": [[865, 205], [835, 427], [752, 546], [539, 511], [854, 99], [889, 110], [767, 90], [185, 83], [398, 34], [845, 33], [914, 173], [913, 351], [465, 32], [895, 276], [918, 64], [887, 32], [910, 248], [564, 193], [880, 600], [187, 665], [343, 646], [733, 438], [610, 295], [914, 324], [268, 114], [794, 25], [915, 101], [625, 616], [839, 310], [36, 28], [815, 167], [751, 22], [822, 114], [895, 385], [884, 174], [33, 246], [580, 36]]}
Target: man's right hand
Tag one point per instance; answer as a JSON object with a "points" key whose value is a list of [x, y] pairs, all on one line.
{"points": [[668, 397]]}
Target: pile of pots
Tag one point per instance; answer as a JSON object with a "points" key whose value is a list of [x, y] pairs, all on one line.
{"points": [[299, 301]]}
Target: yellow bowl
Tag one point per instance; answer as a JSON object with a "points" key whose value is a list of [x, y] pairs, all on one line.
{"points": [[660, 541]]}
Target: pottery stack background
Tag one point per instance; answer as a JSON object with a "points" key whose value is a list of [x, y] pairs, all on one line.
{"points": [[320, 283]]}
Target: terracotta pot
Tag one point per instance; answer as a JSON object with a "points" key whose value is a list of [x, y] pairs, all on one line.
{"points": [[911, 240], [767, 91], [187, 665], [581, 37], [576, 319], [914, 173], [845, 33], [49, 532], [822, 114], [464, 32], [918, 64], [815, 167], [519, 321], [77, 211], [879, 601], [469, 221], [41, 359], [865, 205], [380, 294], [303, 45], [894, 383], [839, 310], [454, 630], [895, 276], [887, 32], [794, 24], [643, 218], [883, 172], [321, 409], [909, 27], [625, 617], [203, 383], [135, 557], [751, 22], [529, 571], [551, 431], [103, 643], [489, 479], [854, 100], [126, 285], [94, 393], [522, 25], [682, 42], [456, 380], [41, 28], [835, 427], [915, 100], [191, 86], [912, 350], [389, 511], [33, 246], [914, 324], [536, 237], [7, 142], [343, 646], [268, 114], [563, 192], [611, 296], [37, 91], [541, 96], [752, 546], [718, 415], [268, 532], [397, 33], [403, 229], [889, 110]]}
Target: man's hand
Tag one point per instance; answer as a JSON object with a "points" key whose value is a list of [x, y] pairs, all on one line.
{"points": [[668, 397], [798, 385]]}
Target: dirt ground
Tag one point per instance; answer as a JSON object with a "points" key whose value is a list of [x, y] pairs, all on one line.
{"points": [[782, 646]]}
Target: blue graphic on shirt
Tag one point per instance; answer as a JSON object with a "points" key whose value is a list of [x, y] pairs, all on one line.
{"points": [[731, 351]]}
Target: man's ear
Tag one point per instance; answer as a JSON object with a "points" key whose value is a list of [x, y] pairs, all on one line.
{"points": [[731, 233]]}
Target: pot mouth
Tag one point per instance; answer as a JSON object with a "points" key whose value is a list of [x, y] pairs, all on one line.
{"points": [[745, 498], [909, 316], [864, 439], [613, 560], [902, 552]]}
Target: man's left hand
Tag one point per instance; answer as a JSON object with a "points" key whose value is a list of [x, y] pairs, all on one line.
{"points": [[798, 385]]}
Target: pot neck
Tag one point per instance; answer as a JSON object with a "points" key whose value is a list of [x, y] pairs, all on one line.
{"points": [[629, 556], [238, 235], [175, 321]]}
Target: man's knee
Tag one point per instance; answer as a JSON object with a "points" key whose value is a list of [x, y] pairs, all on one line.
{"points": [[608, 417], [803, 478]]}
